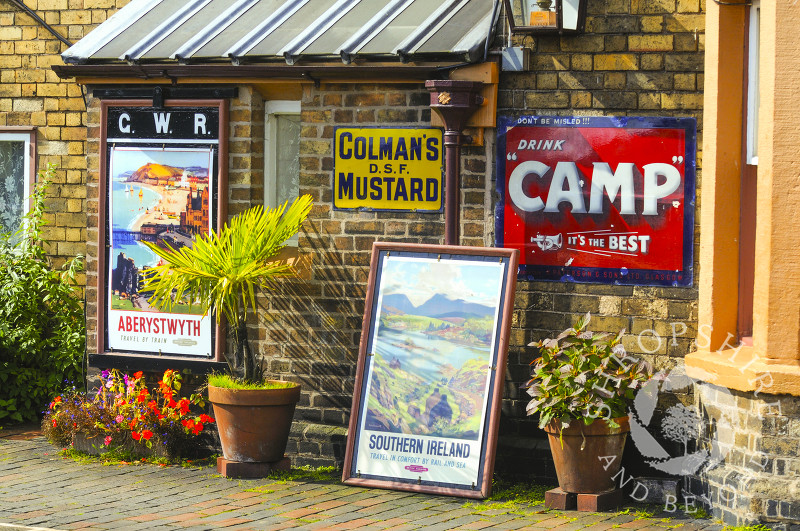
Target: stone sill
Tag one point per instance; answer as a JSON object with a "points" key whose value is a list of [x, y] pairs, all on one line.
{"points": [[743, 370]]}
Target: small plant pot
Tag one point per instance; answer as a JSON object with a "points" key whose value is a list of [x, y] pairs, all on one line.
{"points": [[544, 5], [590, 456], [254, 424]]}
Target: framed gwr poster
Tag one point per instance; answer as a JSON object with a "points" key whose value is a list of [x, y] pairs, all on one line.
{"points": [[431, 365], [161, 184]]}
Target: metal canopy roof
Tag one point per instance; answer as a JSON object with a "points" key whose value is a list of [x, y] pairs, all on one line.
{"points": [[203, 31]]}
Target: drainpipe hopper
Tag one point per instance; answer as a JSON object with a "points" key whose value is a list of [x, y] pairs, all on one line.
{"points": [[454, 101]]}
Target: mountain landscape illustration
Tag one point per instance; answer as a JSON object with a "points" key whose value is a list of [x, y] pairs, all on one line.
{"points": [[438, 306]]}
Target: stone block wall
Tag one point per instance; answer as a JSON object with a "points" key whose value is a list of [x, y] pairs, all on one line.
{"points": [[637, 58], [32, 95], [757, 435]]}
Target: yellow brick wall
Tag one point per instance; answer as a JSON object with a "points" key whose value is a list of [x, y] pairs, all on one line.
{"points": [[32, 95]]}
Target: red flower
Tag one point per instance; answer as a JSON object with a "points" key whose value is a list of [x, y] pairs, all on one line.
{"points": [[142, 396], [136, 435], [146, 434], [172, 403], [138, 374], [132, 424], [184, 405], [54, 423], [198, 427], [205, 418]]}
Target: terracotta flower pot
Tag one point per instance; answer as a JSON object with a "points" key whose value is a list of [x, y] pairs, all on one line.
{"points": [[579, 466], [253, 424]]}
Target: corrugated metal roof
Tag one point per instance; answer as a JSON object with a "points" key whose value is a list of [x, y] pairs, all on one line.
{"points": [[203, 31]]}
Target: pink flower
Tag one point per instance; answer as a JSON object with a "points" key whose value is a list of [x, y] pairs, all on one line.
{"points": [[107, 440], [119, 419]]}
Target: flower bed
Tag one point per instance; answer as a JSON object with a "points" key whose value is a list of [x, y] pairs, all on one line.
{"points": [[125, 415]]}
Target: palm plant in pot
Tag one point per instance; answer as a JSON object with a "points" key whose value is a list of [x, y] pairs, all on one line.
{"points": [[224, 273], [581, 386]]}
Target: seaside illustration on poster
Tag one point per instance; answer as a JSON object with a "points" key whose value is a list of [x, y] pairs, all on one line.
{"points": [[161, 195], [426, 387], [598, 199]]}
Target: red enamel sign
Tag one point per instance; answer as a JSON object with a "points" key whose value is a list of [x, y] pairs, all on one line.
{"points": [[598, 199]]}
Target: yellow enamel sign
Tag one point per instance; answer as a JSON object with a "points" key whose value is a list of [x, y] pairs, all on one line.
{"points": [[387, 169]]}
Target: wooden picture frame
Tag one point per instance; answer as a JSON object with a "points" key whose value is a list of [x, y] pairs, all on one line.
{"points": [[429, 384], [175, 127]]}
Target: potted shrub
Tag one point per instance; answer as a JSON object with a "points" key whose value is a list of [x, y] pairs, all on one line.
{"points": [[223, 273], [581, 387]]}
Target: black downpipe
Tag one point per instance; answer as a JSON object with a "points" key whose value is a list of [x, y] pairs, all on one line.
{"points": [[491, 30], [37, 18], [18, 4]]}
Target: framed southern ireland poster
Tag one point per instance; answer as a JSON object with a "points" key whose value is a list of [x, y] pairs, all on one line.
{"points": [[431, 366]]}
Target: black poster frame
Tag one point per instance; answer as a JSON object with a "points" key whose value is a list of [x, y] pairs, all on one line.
{"points": [[211, 135]]}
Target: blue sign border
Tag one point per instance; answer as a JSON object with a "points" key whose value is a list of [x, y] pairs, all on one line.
{"points": [[373, 209]]}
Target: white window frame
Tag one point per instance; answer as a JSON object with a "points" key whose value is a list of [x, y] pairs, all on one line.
{"points": [[28, 136], [272, 110], [751, 142]]}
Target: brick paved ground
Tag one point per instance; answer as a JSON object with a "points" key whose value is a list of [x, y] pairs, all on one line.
{"points": [[39, 489]]}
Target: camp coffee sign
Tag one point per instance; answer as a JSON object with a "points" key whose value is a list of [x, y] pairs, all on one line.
{"points": [[598, 199], [161, 175], [397, 169]]}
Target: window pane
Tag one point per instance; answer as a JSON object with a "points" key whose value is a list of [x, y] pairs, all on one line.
{"points": [[287, 154], [12, 184], [753, 97]]}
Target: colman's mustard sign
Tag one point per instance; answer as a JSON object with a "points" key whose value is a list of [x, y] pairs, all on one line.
{"points": [[388, 169]]}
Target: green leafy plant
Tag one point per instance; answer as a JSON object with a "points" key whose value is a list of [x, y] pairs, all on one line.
{"points": [[582, 375], [42, 331], [225, 272], [124, 413]]}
